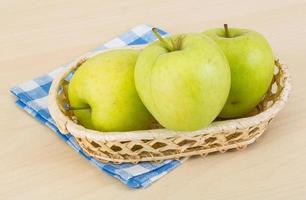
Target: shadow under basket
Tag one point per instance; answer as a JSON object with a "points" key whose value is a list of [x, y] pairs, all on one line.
{"points": [[158, 143]]}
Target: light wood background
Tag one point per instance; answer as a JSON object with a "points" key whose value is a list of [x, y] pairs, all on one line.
{"points": [[38, 36]]}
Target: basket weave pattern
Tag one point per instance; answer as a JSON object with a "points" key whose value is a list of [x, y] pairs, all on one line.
{"points": [[158, 143], [171, 148]]}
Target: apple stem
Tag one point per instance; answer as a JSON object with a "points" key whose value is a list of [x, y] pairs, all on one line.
{"points": [[226, 31], [162, 40], [78, 108]]}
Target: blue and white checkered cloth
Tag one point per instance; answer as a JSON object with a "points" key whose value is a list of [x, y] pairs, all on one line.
{"points": [[32, 97]]}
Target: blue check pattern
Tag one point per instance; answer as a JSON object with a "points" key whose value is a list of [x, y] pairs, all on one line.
{"points": [[32, 96]]}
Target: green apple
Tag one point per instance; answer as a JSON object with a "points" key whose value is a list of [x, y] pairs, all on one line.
{"points": [[103, 96], [183, 80], [252, 65]]}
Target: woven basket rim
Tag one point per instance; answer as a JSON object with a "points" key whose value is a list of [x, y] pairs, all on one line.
{"points": [[66, 125]]}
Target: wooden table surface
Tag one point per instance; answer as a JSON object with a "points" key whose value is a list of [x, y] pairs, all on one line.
{"points": [[38, 36]]}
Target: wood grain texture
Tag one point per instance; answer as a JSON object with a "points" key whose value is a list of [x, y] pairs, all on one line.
{"points": [[38, 36]]}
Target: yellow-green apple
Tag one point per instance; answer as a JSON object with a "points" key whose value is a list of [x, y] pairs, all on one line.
{"points": [[252, 64], [102, 93], [183, 80]]}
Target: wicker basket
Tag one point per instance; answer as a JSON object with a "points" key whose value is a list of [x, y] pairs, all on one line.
{"points": [[158, 143]]}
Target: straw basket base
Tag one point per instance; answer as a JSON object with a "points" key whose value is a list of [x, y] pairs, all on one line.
{"points": [[159, 144], [155, 150]]}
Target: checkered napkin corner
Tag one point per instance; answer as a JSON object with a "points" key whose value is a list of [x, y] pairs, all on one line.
{"points": [[32, 97]]}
